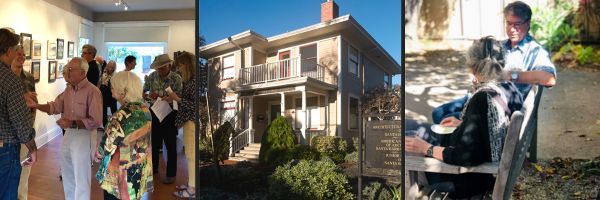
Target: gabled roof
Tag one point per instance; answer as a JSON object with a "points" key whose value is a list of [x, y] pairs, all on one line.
{"points": [[345, 25]]}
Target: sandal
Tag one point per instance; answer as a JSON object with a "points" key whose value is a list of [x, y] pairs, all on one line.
{"points": [[181, 187], [184, 194]]}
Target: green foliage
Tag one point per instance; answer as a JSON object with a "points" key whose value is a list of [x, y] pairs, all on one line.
{"points": [[221, 142], [240, 180], [583, 55], [299, 152], [277, 140], [396, 193], [352, 157], [205, 147], [118, 54], [309, 179], [375, 191], [331, 146], [549, 25]]}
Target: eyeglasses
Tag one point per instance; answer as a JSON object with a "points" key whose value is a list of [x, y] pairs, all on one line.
{"points": [[516, 24]]}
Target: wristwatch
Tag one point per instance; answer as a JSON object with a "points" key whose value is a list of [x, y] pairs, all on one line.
{"points": [[429, 151], [514, 75]]}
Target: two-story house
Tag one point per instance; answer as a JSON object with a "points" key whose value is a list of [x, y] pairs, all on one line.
{"points": [[314, 76]]}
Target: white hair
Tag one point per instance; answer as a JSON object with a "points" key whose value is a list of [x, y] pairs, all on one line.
{"points": [[82, 63], [128, 84]]}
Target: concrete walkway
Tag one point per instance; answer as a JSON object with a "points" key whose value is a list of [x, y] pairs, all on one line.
{"points": [[569, 114]]}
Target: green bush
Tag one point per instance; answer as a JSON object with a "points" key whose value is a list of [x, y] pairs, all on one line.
{"points": [[277, 140], [309, 179], [240, 180], [221, 142], [375, 191], [351, 157], [299, 152], [331, 146], [550, 27], [205, 149]]}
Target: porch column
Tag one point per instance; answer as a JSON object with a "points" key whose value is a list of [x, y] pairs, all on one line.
{"points": [[327, 114], [250, 117], [282, 104], [305, 118]]}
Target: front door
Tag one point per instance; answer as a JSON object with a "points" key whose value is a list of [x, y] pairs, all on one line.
{"points": [[275, 112]]}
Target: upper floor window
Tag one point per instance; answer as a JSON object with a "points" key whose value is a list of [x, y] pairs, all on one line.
{"points": [[228, 67], [353, 60]]}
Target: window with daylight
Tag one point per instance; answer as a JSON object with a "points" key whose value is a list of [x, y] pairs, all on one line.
{"points": [[228, 67], [353, 60], [144, 52], [353, 113]]}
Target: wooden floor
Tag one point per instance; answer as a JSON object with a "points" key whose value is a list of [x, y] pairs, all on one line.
{"points": [[44, 182]]}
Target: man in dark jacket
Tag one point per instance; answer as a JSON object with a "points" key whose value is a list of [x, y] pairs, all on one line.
{"points": [[88, 53]]}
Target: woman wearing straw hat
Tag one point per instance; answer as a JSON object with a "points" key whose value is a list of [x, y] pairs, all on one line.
{"points": [[156, 85]]}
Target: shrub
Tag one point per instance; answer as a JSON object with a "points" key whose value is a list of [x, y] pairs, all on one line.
{"points": [[221, 142], [375, 190], [309, 179], [550, 27], [277, 140], [299, 152], [205, 149], [352, 157], [240, 180], [331, 146]]}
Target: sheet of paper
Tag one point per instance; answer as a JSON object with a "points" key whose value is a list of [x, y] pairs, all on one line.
{"points": [[161, 109]]}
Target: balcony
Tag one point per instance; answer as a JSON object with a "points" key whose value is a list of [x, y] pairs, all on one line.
{"points": [[282, 70]]}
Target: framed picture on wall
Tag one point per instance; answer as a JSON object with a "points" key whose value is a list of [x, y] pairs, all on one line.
{"points": [[27, 66], [60, 48], [27, 43], [51, 50], [36, 54], [35, 70], [59, 70], [70, 49], [51, 71]]}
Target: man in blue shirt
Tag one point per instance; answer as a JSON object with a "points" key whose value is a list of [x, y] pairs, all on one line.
{"points": [[527, 62]]}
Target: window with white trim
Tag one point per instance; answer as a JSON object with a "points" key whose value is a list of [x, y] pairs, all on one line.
{"points": [[228, 67], [352, 60], [353, 113]]}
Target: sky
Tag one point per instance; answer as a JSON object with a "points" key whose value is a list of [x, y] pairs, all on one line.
{"points": [[220, 19]]}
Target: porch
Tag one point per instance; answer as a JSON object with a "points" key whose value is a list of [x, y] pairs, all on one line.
{"points": [[305, 108]]}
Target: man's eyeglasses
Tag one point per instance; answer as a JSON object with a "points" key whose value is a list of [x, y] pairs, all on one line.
{"points": [[516, 24]]}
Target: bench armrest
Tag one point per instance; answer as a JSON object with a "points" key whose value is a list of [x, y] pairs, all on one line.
{"points": [[425, 164]]}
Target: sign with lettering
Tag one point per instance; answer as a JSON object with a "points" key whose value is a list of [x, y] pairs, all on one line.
{"points": [[383, 144]]}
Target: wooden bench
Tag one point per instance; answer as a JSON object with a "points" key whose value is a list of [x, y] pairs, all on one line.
{"points": [[521, 129]]}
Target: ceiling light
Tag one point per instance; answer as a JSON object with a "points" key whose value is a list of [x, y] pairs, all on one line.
{"points": [[126, 7]]}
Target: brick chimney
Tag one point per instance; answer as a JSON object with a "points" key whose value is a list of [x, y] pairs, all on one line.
{"points": [[329, 11]]}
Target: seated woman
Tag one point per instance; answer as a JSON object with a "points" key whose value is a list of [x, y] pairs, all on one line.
{"points": [[480, 134], [125, 170]]}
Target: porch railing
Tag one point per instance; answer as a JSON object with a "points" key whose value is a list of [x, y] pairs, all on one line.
{"points": [[240, 141], [283, 69]]}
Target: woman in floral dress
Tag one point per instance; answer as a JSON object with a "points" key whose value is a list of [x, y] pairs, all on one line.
{"points": [[125, 170]]}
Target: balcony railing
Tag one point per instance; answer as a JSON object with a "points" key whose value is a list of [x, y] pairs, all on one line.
{"points": [[283, 69]]}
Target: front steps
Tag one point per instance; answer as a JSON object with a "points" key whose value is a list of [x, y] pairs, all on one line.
{"points": [[249, 153]]}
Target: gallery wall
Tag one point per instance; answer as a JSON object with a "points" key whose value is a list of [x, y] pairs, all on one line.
{"points": [[44, 22]]}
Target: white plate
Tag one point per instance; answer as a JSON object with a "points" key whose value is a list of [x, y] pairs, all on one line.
{"points": [[439, 129]]}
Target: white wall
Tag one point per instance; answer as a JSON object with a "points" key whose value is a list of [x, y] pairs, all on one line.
{"points": [[44, 22]]}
